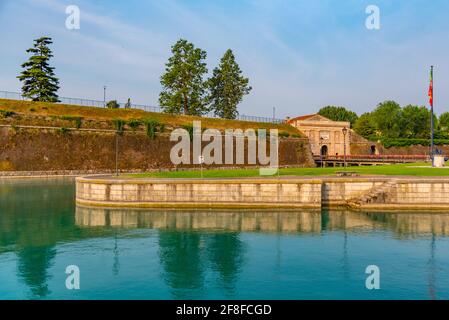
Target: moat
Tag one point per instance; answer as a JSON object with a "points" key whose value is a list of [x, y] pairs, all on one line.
{"points": [[212, 254]]}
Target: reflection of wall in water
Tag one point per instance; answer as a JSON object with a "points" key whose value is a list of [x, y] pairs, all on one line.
{"points": [[414, 224], [269, 221], [286, 221]]}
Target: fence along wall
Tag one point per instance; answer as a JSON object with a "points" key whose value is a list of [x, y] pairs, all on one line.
{"points": [[102, 104]]}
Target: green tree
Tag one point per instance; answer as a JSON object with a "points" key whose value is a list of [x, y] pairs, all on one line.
{"points": [[38, 79], [338, 114], [113, 104], [415, 122], [444, 121], [365, 126], [227, 87], [183, 84], [387, 117]]}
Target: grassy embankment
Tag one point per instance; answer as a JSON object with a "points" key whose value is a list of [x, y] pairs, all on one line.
{"points": [[102, 114], [414, 169]]}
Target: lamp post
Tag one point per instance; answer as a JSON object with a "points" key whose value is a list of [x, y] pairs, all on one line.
{"points": [[321, 152], [116, 153], [104, 96], [345, 131]]}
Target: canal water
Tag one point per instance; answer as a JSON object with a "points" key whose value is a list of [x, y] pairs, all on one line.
{"points": [[212, 254]]}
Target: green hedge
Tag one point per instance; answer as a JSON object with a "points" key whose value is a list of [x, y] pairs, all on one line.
{"points": [[402, 142]]}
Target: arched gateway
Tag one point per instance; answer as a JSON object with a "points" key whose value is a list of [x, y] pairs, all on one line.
{"points": [[323, 132]]}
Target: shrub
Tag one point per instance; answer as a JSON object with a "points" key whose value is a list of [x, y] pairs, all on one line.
{"points": [[402, 142], [134, 124], [64, 130], [283, 134], [6, 113], [113, 104], [119, 125], [189, 129], [78, 120], [151, 127]]}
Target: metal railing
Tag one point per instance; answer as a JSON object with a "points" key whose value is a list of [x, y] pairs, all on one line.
{"points": [[101, 104], [374, 157]]}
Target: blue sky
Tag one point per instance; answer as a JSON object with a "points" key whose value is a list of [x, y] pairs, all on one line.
{"points": [[299, 55]]}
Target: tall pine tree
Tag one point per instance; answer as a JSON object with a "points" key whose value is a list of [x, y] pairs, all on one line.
{"points": [[38, 79], [183, 85], [227, 87]]}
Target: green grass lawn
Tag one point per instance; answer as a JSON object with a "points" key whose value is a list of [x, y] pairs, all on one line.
{"points": [[397, 169]]}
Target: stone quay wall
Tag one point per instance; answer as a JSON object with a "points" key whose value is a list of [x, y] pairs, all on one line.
{"points": [[369, 193], [199, 193]]}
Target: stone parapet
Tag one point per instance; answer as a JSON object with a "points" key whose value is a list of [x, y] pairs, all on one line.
{"points": [[405, 193]]}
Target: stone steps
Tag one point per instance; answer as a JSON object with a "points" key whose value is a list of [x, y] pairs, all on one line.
{"points": [[375, 195]]}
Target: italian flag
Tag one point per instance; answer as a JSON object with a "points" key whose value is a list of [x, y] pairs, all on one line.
{"points": [[430, 94]]}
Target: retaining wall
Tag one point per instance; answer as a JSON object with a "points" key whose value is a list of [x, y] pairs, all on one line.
{"points": [[410, 193]]}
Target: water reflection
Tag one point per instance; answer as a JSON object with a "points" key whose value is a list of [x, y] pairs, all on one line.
{"points": [[402, 224], [181, 256], [34, 217], [198, 250], [32, 267], [31, 225], [192, 241]]}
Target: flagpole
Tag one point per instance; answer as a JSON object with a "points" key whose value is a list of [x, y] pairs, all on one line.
{"points": [[431, 120]]}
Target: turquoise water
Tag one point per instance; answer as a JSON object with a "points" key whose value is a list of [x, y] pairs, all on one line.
{"points": [[212, 254]]}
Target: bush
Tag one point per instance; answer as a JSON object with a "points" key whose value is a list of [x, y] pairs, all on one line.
{"points": [[283, 134], [112, 104], [78, 120], [151, 127], [189, 129], [6, 113], [134, 124], [402, 142], [119, 125], [64, 130]]}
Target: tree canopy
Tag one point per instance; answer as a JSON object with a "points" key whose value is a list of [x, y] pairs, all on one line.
{"points": [[227, 87], [183, 85], [365, 125], [38, 79], [444, 122], [390, 121], [387, 117], [338, 114], [415, 122]]}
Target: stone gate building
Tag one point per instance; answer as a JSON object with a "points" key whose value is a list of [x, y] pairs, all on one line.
{"points": [[327, 137]]}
